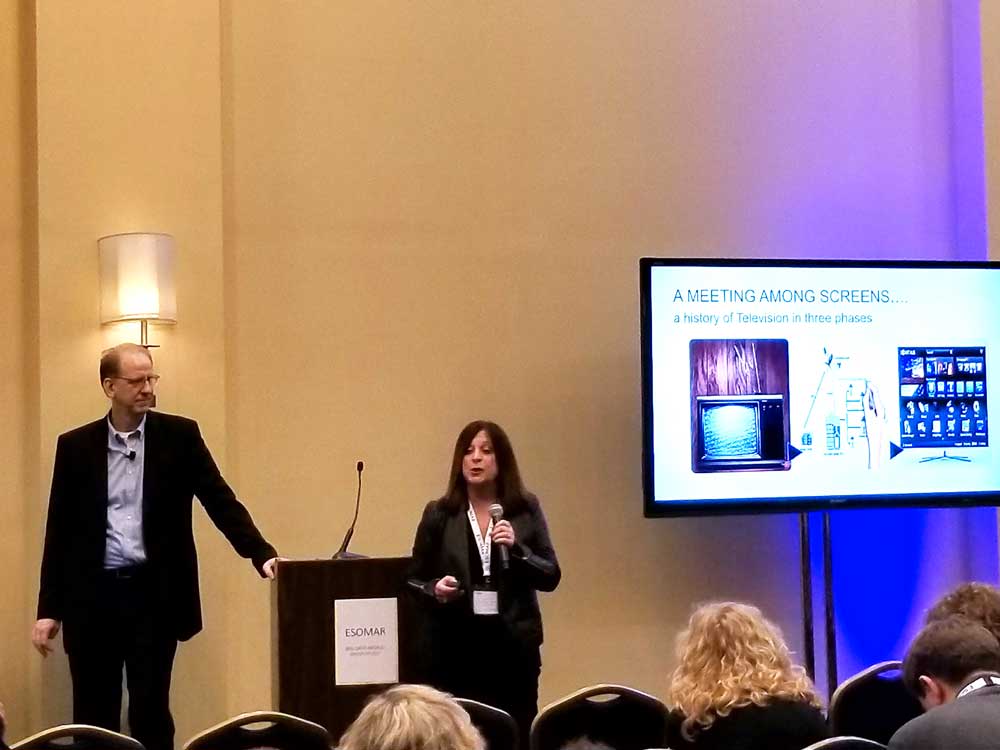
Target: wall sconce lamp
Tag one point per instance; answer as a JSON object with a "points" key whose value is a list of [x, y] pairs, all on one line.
{"points": [[137, 279]]}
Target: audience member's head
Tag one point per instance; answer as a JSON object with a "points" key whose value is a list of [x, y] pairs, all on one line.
{"points": [[412, 717], [947, 655], [978, 602], [731, 656], [585, 743]]}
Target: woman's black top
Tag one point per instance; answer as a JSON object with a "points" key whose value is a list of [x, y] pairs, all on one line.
{"points": [[780, 725], [444, 546], [493, 659]]}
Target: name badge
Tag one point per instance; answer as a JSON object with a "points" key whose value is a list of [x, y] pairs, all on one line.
{"points": [[485, 602]]}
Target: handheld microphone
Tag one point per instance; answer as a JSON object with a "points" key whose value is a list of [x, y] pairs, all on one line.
{"points": [[496, 513], [342, 553]]}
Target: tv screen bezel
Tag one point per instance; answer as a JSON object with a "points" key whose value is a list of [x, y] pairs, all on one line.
{"points": [[758, 505]]}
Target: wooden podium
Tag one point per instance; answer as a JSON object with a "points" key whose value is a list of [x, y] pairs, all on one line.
{"points": [[302, 625]]}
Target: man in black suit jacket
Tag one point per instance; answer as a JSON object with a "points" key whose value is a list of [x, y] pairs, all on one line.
{"points": [[119, 570], [953, 668]]}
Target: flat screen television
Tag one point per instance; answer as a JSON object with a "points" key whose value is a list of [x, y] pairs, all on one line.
{"points": [[781, 386]]}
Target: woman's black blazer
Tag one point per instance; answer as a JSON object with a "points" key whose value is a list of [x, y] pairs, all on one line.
{"points": [[441, 548]]}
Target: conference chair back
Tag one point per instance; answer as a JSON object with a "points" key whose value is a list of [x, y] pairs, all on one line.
{"points": [[846, 743], [873, 704], [77, 737], [619, 716], [262, 729], [497, 726]]}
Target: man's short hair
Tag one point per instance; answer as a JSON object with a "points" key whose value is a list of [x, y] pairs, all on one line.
{"points": [[412, 716], [978, 602], [950, 650], [111, 359]]}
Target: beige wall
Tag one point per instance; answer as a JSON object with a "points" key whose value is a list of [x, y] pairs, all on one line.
{"points": [[435, 213], [393, 218], [16, 205]]}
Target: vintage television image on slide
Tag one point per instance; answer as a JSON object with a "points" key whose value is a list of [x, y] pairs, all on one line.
{"points": [[739, 389], [782, 386]]}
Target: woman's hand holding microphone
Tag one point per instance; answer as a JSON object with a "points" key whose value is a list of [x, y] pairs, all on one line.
{"points": [[503, 533]]}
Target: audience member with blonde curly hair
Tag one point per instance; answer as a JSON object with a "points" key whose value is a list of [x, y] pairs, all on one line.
{"points": [[412, 717], [736, 686]]}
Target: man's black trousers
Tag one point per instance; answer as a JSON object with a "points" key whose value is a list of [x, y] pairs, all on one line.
{"points": [[126, 630]]}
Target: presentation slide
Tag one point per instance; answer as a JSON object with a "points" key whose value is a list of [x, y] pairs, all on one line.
{"points": [[768, 384]]}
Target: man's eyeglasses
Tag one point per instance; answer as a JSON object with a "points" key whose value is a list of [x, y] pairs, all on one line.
{"points": [[139, 382]]}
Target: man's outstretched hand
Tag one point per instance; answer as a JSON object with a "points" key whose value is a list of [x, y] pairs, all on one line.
{"points": [[270, 568]]}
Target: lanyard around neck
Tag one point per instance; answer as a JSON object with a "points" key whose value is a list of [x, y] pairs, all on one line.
{"points": [[484, 544], [990, 679]]}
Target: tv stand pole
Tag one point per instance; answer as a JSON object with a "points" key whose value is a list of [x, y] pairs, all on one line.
{"points": [[831, 622], [809, 635], [808, 638]]}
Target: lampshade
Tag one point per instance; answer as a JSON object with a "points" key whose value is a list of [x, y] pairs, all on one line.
{"points": [[137, 277]]}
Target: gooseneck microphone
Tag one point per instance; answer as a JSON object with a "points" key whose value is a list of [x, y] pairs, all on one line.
{"points": [[496, 513], [342, 553]]}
